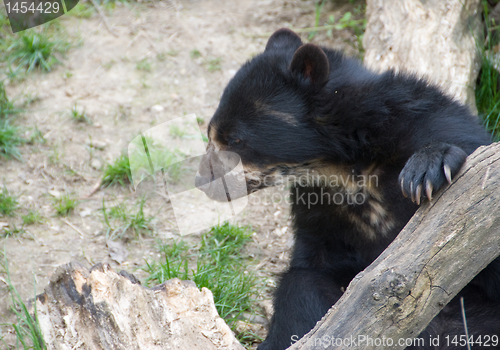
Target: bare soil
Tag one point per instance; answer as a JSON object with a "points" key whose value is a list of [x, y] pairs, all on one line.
{"points": [[101, 75]]}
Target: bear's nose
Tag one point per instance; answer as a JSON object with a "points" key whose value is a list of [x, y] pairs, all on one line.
{"points": [[200, 180], [205, 173]]}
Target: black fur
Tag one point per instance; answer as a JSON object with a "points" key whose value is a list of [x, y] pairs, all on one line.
{"points": [[301, 107]]}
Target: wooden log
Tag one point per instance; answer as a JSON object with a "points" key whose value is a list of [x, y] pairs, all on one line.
{"points": [[446, 243], [100, 309], [433, 38]]}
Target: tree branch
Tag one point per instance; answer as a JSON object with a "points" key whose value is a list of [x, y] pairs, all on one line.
{"points": [[445, 244]]}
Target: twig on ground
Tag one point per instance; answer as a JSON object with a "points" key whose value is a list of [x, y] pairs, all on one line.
{"points": [[73, 227]]}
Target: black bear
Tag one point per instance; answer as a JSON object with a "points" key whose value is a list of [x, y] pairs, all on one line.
{"points": [[364, 150]]}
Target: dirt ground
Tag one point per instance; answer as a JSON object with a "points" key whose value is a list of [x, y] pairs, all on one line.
{"points": [[101, 75]]}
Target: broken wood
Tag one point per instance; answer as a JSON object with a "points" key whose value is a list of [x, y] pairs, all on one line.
{"points": [[101, 309], [419, 273]]}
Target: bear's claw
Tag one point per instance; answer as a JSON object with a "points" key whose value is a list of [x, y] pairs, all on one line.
{"points": [[430, 168]]}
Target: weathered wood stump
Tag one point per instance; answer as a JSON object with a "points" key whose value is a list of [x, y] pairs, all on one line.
{"points": [[101, 309]]}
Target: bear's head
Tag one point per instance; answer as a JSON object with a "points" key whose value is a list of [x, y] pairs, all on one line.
{"points": [[267, 115]]}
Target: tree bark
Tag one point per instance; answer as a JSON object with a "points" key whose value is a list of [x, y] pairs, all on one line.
{"points": [[446, 243], [432, 38], [100, 309]]}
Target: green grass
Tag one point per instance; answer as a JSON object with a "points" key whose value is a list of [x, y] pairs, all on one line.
{"points": [[64, 205], [167, 158], [8, 203], [173, 53], [345, 22], [214, 64], [14, 231], [9, 140], [32, 217], [108, 65], [37, 48], [488, 97], [9, 134], [194, 54], [144, 65], [162, 56], [79, 115], [117, 172], [170, 159], [7, 108], [33, 50], [318, 8], [110, 5], [217, 263], [26, 326], [36, 136], [55, 154], [488, 84], [177, 132], [82, 10], [120, 220]]}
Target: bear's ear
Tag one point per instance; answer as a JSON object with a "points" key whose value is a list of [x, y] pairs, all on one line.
{"points": [[311, 62], [283, 38]]}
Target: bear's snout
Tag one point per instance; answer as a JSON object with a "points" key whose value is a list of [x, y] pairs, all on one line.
{"points": [[220, 176]]}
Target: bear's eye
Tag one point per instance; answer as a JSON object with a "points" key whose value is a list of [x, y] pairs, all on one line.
{"points": [[234, 142]]}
